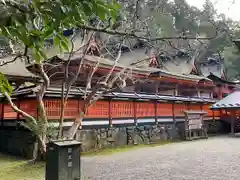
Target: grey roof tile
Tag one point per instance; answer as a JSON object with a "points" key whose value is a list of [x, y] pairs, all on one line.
{"points": [[231, 101], [16, 68]]}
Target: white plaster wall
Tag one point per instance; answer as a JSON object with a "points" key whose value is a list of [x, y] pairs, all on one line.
{"points": [[166, 92]]}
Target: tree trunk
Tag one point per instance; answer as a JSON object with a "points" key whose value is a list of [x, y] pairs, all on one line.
{"points": [[60, 127], [76, 125], [39, 151], [35, 151]]}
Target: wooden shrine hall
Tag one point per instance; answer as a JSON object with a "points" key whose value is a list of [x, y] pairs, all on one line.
{"points": [[230, 110]]}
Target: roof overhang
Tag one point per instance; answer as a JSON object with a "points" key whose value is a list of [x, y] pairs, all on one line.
{"points": [[161, 75], [106, 64], [55, 92], [216, 78], [231, 101]]}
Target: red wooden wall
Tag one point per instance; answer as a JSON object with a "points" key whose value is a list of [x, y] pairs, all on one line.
{"points": [[120, 109], [145, 109], [164, 109], [98, 110], [107, 109], [9, 113], [179, 108]]}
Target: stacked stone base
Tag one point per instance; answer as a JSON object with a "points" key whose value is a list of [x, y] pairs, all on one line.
{"points": [[21, 142], [120, 136]]}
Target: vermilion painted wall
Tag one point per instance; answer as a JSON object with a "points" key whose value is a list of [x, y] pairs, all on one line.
{"points": [[105, 109]]}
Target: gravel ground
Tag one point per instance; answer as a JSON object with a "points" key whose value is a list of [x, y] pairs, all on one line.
{"points": [[217, 158]]}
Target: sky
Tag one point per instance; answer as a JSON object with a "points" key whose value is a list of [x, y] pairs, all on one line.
{"points": [[230, 9]]}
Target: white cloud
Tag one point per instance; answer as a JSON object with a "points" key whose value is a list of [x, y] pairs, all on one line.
{"points": [[228, 7]]}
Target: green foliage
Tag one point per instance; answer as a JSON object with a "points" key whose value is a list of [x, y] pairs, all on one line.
{"points": [[232, 60], [52, 131], [4, 85], [32, 22]]}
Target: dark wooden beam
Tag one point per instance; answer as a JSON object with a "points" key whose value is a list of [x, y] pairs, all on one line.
{"points": [[173, 113], [155, 108], [135, 111], [110, 113], [2, 115], [233, 116], [18, 115]]}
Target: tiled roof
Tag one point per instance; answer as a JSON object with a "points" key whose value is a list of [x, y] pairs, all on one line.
{"points": [[179, 65], [16, 68], [216, 78], [212, 69], [56, 92], [231, 101], [107, 62], [182, 76]]}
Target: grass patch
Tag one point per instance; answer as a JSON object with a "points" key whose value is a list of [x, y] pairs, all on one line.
{"points": [[13, 168], [109, 151]]}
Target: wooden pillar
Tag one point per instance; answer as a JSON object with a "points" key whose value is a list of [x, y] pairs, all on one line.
{"points": [[78, 108], [18, 115], [198, 93], [173, 114], [135, 111], [156, 87], [155, 107], [174, 122], [110, 113], [213, 114], [176, 91], [211, 94], [188, 106], [232, 122], [201, 106], [2, 115]]}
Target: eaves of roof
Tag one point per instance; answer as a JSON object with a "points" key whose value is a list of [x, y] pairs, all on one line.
{"points": [[77, 93]]}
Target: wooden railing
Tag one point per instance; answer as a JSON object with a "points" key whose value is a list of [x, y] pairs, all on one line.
{"points": [[109, 109]]}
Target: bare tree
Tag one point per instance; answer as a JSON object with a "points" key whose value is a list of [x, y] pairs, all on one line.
{"points": [[92, 90], [137, 27]]}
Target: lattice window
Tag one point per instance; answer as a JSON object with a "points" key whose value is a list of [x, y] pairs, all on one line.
{"points": [[71, 109], [29, 106], [53, 108], [98, 110], [145, 109], [122, 109]]}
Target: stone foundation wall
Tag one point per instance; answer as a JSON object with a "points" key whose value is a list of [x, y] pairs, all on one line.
{"points": [[17, 142], [120, 136], [21, 142], [214, 127]]}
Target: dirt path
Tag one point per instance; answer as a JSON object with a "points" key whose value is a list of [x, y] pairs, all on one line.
{"points": [[213, 159]]}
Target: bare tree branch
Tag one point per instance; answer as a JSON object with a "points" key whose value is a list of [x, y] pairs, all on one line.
{"points": [[19, 55], [17, 110], [133, 35]]}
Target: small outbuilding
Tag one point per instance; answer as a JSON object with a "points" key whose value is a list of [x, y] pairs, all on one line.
{"points": [[231, 104], [194, 128]]}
